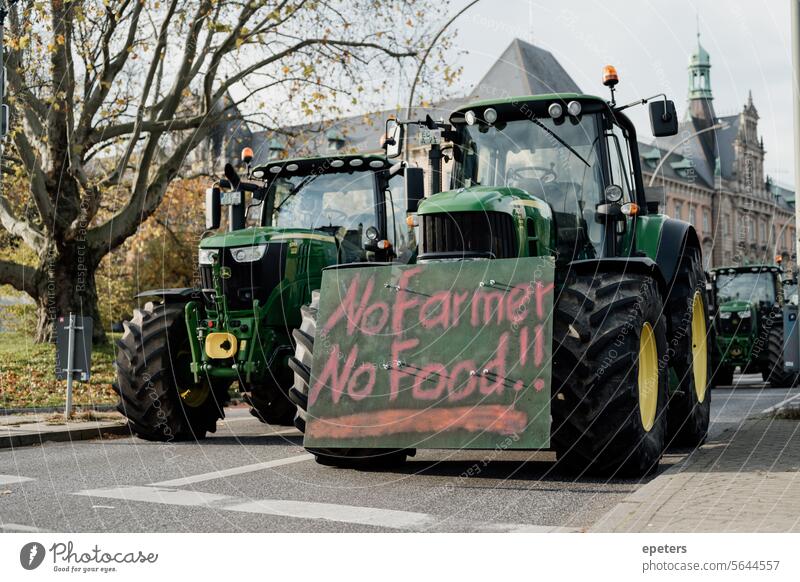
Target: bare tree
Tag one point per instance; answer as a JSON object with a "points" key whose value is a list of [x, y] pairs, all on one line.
{"points": [[109, 97]]}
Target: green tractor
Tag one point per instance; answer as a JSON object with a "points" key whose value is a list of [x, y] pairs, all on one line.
{"points": [[748, 324], [554, 177], [182, 351]]}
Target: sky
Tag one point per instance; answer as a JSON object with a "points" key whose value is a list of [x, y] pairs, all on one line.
{"points": [[650, 42]]}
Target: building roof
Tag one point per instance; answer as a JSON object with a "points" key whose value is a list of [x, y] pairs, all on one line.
{"points": [[524, 69]]}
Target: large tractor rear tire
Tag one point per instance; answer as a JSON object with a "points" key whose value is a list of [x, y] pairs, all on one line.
{"points": [[156, 389], [689, 408], [773, 371], [609, 380], [301, 364]]}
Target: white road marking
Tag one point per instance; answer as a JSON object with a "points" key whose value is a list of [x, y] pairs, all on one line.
{"points": [[390, 518], [18, 527], [9, 479], [370, 516], [180, 482], [780, 404], [287, 432], [157, 495]]}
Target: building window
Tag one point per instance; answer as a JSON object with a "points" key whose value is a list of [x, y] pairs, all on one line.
{"points": [[726, 225], [678, 210], [691, 218], [763, 232], [706, 220]]}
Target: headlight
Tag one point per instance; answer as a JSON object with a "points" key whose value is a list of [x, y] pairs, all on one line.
{"points": [[725, 315], [208, 256], [555, 110], [248, 254], [744, 314]]}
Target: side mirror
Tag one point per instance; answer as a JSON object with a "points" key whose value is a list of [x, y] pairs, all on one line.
{"points": [[414, 183], [393, 140], [656, 198], [213, 208], [663, 118]]}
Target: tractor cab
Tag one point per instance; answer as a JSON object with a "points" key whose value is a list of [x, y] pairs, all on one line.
{"points": [[748, 320], [359, 201], [543, 175]]}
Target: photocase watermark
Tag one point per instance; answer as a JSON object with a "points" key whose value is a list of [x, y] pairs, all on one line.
{"points": [[69, 559], [31, 555]]}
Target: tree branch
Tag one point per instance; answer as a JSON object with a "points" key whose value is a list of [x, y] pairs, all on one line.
{"points": [[20, 277]]}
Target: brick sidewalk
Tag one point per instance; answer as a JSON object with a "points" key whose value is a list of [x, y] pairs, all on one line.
{"points": [[746, 481]]}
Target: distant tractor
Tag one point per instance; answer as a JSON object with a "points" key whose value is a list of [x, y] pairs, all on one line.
{"points": [[181, 352], [748, 324], [545, 188]]}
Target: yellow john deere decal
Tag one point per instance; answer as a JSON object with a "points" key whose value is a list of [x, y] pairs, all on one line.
{"points": [[220, 345]]}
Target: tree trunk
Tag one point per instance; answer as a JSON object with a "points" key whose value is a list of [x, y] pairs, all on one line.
{"points": [[67, 285]]}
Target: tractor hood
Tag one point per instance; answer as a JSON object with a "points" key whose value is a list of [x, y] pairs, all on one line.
{"points": [[261, 235], [735, 306], [480, 199]]}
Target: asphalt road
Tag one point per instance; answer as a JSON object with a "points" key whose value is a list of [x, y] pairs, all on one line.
{"points": [[252, 477]]}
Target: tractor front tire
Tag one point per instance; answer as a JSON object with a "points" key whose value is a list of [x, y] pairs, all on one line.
{"points": [[156, 388], [354, 458], [722, 376], [269, 402], [689, 408], [609, 380], [774, 372]]}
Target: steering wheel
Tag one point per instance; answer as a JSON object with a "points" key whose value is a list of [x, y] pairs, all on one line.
{"points": [[341, 217], [546, 175]]}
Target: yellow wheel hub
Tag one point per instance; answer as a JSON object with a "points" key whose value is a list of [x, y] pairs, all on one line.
{"points": [[196, 394], [699, 351], [648, 376]]}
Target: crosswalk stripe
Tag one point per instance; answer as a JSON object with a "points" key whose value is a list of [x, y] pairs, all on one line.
{"points": [[11, 479], [180, 482], [369, 516]]}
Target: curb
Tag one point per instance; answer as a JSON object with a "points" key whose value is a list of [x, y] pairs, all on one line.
{"points": [[651, 492], [53, 409], [67, 434]]}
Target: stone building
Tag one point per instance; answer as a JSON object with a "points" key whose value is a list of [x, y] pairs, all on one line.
{"points": [[713, 176]]}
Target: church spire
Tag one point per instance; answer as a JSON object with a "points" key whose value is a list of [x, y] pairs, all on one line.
{"points": [[700, 72]]}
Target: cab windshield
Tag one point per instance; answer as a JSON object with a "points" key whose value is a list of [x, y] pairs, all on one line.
{"points": [[556, 161], [750, 287], [325, 201]]}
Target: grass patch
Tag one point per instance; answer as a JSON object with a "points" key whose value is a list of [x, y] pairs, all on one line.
{"points": [[27, 374], [788, 413]]}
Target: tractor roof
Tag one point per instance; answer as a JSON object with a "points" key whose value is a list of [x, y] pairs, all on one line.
{"points": [[541, 98], [323, 165], [771, 267]]}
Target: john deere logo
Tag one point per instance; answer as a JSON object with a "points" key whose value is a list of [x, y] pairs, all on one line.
{"points": [[225, 272], [31, 555]]}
